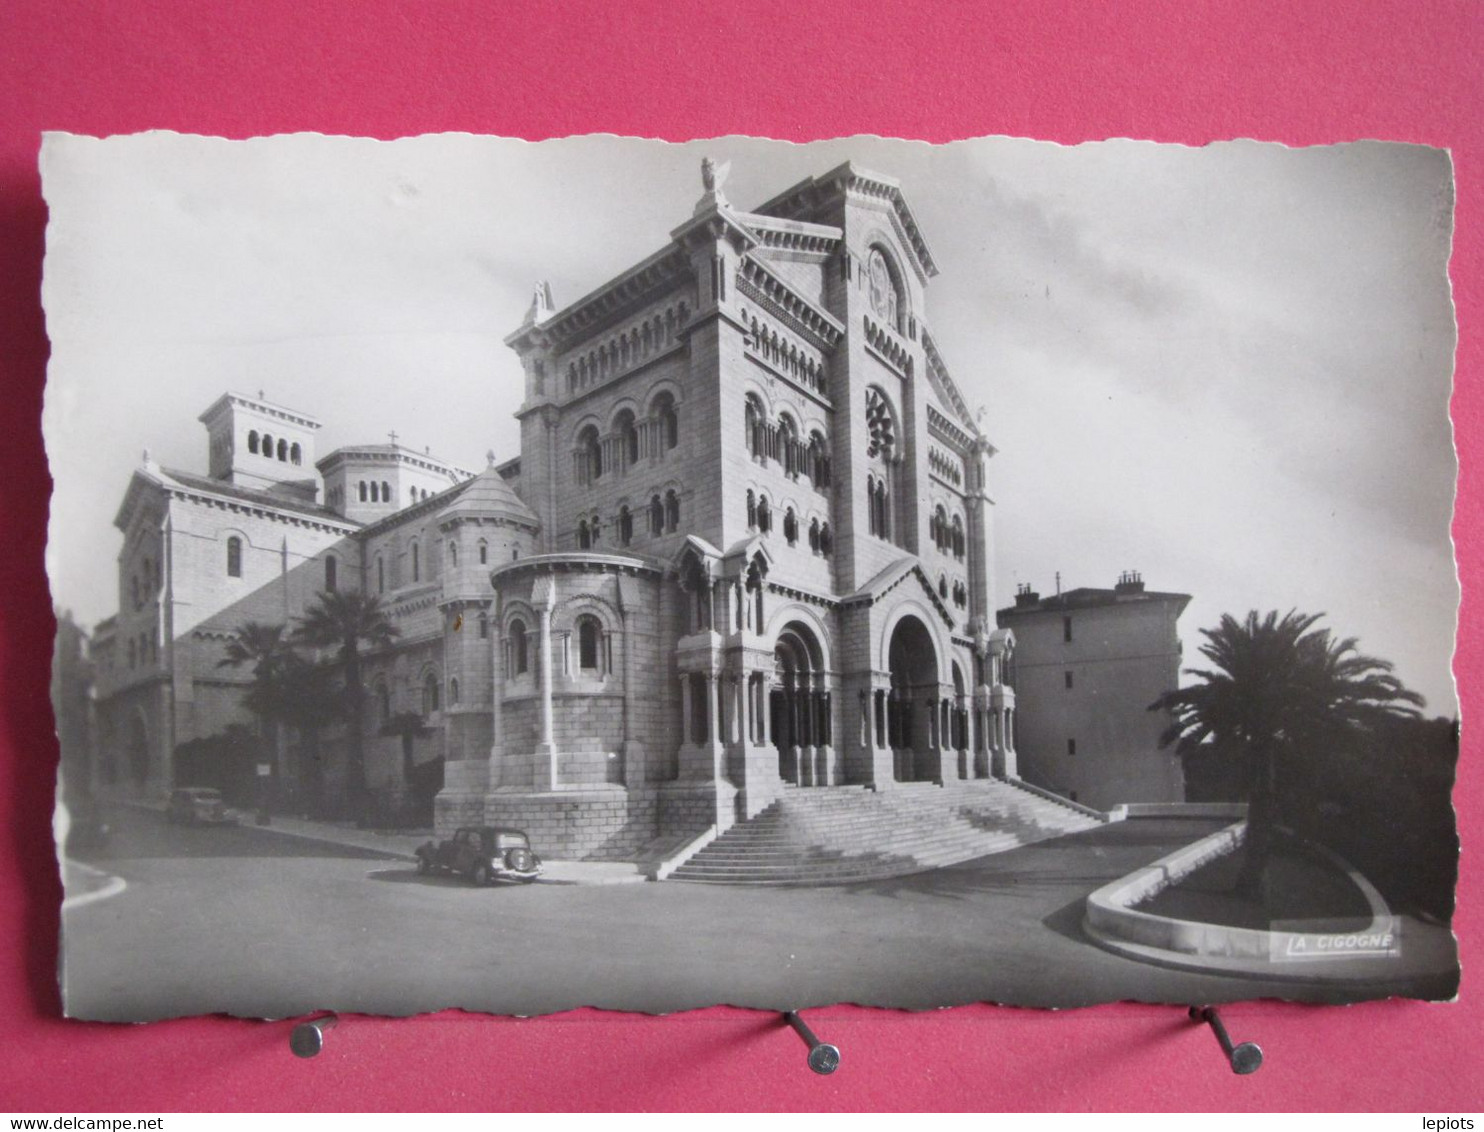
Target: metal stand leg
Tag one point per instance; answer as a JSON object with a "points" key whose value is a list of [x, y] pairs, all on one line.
{"points": [[308, 1038], [1244, 1058], [823, 1058]]}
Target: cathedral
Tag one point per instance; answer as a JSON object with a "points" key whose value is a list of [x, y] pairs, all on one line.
{"points": [[745, 551]]}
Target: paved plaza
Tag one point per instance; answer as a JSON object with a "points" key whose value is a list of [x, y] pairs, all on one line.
{"points": [[261, 923]]}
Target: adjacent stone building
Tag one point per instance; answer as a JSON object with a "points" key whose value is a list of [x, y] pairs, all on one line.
{"points": [[747, 543], [1088, 664]]}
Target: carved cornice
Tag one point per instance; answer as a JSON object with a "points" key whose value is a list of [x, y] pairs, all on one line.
{"points": [[824, 601], [609, 304], [941, 428], [805, 197], [820, 240], [939, 373], [784, 303]]}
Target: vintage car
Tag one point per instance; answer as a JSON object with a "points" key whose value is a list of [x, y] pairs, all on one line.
{"points": [[203, 805], [484, 854]]}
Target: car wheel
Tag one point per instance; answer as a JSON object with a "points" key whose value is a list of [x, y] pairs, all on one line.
{"points": [[481, 875]]}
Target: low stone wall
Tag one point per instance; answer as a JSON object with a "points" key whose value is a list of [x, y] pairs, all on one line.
{"points": [[1063, 800], [1233, 810], [1113, 922], [590, 823]]}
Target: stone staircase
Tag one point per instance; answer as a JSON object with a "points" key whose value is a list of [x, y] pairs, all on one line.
{"points": [[843, 834]]}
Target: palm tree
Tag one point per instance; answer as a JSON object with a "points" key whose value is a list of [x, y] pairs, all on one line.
{"points": [[265, 649], [1279, 688], [343, 620]]}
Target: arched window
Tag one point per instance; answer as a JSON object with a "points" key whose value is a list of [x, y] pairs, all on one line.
{"points": [[430, 693], [814, 535], [818, 469], [361, 490], [656, 516], [667, 420], [588, 631], [756, 424], [296, 454], [484, 553], [283, 450], [517, 637], [453, 556], [625, 525], [584, 538], [589, 456], [234, 557], [375, 492], [751, 510], [628, 438], [672, 510], [942, 586], [594, 528], [268, 445], [956, 538], [332, 567], [386, 492], [788, 444], [940, 528], [416, 556], [880, 512], [790, 526], [764, 515], [484, 626], [252, 442], [453, 691], [826, 540]]}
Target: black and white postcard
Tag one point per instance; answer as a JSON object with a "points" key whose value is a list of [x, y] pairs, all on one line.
{"points": [[603, 572]]}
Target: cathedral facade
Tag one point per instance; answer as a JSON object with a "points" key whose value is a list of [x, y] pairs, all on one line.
{"points": [[746, 548]]}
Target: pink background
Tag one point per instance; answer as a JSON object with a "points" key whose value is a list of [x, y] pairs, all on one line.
{"points": [[1301, 71]]}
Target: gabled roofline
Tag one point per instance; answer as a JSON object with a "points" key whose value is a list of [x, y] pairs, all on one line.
{"points": [[848, 178], [609, 303], [283, 412], [888, 579]]}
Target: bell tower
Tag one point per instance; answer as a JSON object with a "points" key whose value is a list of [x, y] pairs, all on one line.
{"points": [[256, 444]]}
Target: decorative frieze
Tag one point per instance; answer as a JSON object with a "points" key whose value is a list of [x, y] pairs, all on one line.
{"points": [[636, 344], [888, 347], [755, 281]]}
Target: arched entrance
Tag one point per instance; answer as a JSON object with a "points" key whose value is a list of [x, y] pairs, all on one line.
{"points": [[138, 748], [912, 725], [799, 708]]}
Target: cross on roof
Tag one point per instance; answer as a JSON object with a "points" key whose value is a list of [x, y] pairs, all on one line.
{"points": [[393, 435]]}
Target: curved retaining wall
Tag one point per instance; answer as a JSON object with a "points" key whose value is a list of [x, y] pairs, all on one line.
{"points": [[1113, 922]]}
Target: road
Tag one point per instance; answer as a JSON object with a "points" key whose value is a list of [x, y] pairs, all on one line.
{"points": [[257, 923]]}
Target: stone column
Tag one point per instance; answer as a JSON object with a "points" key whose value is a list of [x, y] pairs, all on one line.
{"points": [[548, 746], [739, 707], [686, 735], [713, 725]]}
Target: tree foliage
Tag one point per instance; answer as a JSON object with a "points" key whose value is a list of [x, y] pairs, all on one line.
{"points": [[1279, 689], [345, 620]]}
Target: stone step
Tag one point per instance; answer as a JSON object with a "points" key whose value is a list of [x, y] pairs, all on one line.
{"points": [[837, 835]]}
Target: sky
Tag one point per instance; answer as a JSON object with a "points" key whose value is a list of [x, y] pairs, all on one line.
{"points": [[1226, 367]]}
